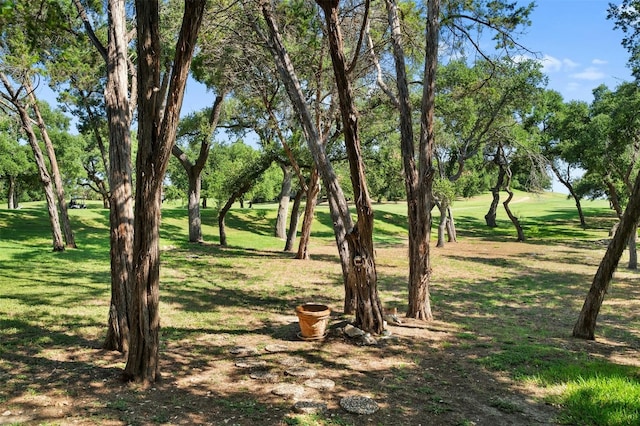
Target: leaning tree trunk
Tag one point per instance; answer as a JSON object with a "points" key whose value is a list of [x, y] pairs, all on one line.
{"points": [[360, 237], [338, 208], [586, 324], [283, 203], [156, 135], [55, 171], [313, 188], [293, 221], [45, 178]]}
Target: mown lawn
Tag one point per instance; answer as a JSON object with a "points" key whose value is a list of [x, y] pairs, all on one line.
{"points": [[498, 352]]}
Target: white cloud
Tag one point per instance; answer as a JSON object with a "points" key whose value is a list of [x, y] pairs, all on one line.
{"points": [[589, 73], [599, 62], [551, 64]]}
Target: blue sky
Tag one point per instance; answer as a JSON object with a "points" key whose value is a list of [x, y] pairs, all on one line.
{"points": [[578, 46]]}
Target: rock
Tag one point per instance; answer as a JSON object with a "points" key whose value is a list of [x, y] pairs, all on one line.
{"points": [[251, 363], [288, 390], [366, 340], [320, 384], [264, 375], [305, 372], [276, 348], [309, 407], [352, 331], [243, 351], [359, 404]]}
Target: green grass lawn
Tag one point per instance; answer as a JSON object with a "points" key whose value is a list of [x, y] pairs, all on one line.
{"points": [[504, 312]]}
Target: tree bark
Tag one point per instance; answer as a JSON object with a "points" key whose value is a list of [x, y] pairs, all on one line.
{"points": [[451, 227], [45, 178], [313, 188], [633, 252], [360, 237], [490, 217], [442, 226], [586, 324], [55, 170], [283, 203], [293, 221], [157, 125]]}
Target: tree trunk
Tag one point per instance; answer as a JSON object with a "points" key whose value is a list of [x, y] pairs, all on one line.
{"points": [[514, 219], [633, 252], [586, 324], [418, 177], [442, 226], [156, 135], [339, 210], [360, 237], [55, 171], [195, 221], [313, 188], [451, 227], [11, 193], [490, 217], [120, 202], [283, 203], [45, 178], [293, 221]]}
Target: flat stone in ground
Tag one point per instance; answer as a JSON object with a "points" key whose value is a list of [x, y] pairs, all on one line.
{"points": [[243, 351], [309, 407], [359, 404], [276, 348], [264, 375], [304, 372], [251, 363], [288, 390], [320, 384]]}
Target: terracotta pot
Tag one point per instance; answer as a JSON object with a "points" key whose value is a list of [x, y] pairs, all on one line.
{"points": [[313, 318]]}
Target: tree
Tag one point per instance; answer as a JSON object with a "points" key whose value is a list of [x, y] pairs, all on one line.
{"points": [[558, 126], [360, 237], [316, 138], [118, 99], [15, 97], [157, 125], [194, 168], [499, 18], [586, 324]]}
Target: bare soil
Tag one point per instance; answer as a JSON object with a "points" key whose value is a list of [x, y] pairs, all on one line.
{"points": [[425, 373]]}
